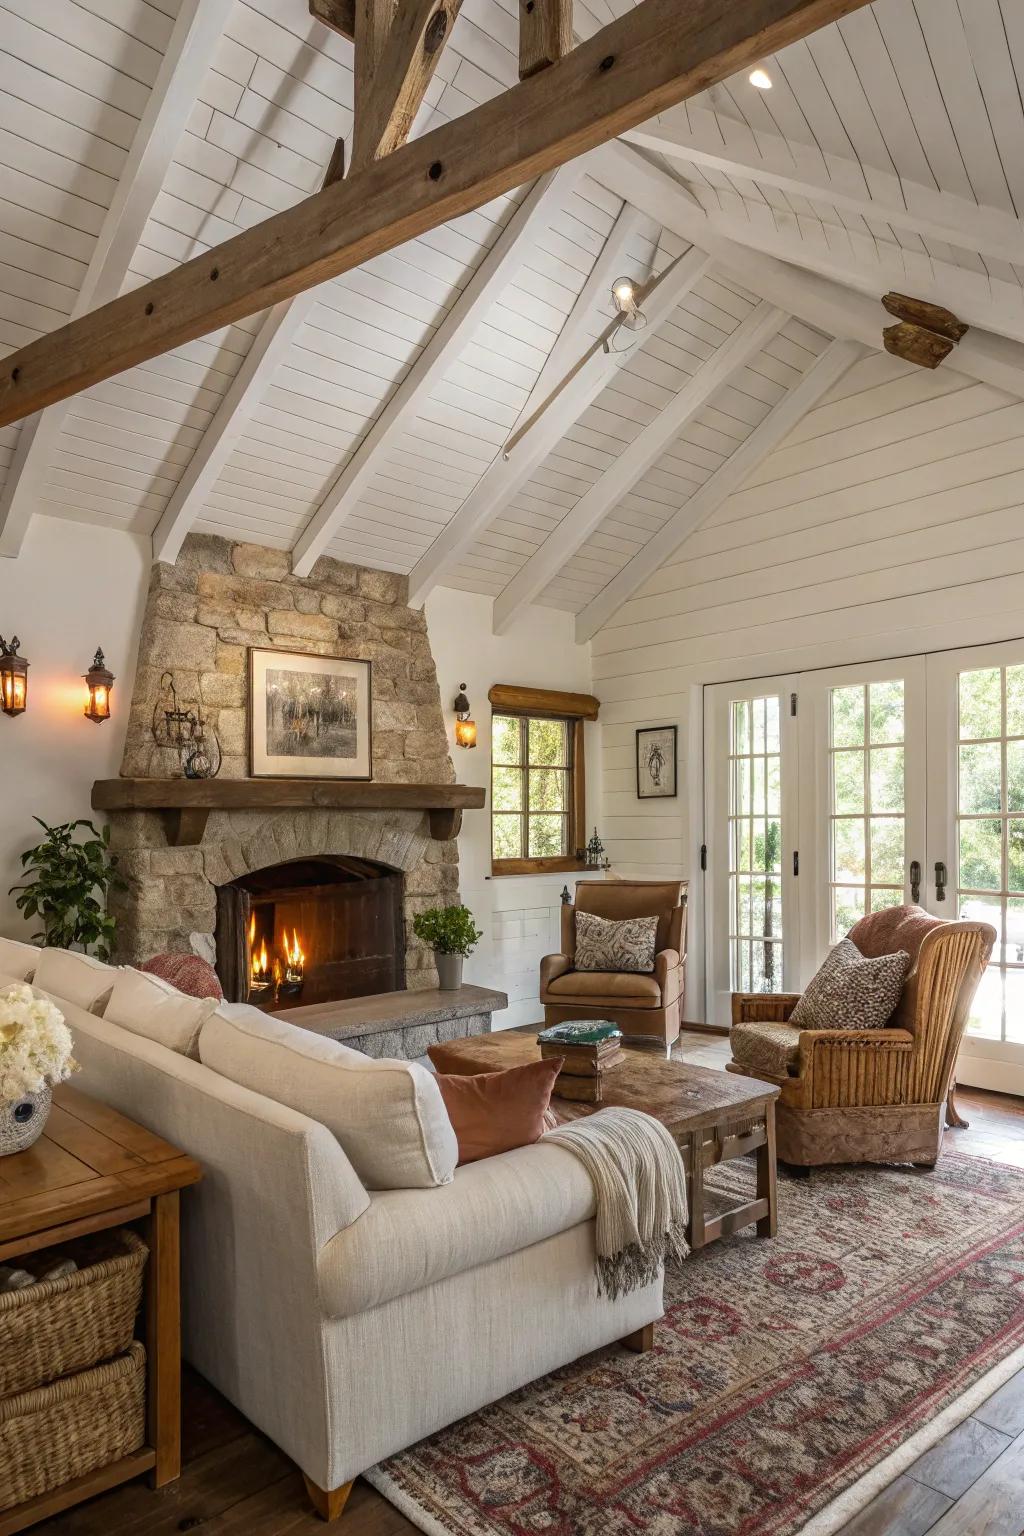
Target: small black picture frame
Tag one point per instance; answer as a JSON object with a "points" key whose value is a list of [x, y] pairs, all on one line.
{"points": [[656, 762]]}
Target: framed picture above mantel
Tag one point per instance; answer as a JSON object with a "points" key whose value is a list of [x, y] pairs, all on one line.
{"points": [[310, 717]]}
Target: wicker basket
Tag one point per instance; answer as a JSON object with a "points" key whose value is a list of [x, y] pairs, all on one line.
{"points": [[59, 1326], [53, 1434]]}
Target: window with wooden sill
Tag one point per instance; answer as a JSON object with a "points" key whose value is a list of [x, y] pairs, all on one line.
{"points": [[538, 779]]}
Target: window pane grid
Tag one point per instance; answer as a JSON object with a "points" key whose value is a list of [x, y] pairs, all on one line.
{"points": [[989, 870], [531, 787], [754, 842], [867, 813]]}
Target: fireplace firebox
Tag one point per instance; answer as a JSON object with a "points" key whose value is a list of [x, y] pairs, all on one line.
{"points": [[313, 930]]}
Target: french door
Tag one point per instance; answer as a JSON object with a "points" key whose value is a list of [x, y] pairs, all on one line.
{"points": [[843, 791]]}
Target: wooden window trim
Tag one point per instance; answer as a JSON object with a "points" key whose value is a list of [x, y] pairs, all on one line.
{"points": [[574, 709]]}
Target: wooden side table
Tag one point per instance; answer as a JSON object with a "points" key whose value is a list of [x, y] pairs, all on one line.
{"points": [[91, 1169]]}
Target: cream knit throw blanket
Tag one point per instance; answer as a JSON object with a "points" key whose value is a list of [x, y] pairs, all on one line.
{"points": [[640, 1186]]}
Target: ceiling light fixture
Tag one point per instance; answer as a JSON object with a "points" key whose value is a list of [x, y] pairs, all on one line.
{"points": [[761, 78], [624, 297]]}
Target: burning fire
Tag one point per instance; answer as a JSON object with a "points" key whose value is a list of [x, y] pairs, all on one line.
{"points": [[261, 971]]}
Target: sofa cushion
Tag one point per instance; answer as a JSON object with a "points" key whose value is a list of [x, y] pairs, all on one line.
{"points": [[411, 1238], [614, 988], [388, 1116], [766, 1046], [79, 978], [151, 1007], [493, 1112], [18, 960], [607, 944], [850, 991]]}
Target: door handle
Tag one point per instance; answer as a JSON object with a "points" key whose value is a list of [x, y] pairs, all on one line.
{"points": [[940, 880], [915, 882]]}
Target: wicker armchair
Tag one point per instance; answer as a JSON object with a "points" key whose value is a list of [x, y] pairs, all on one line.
{"points": [[872, 1096]]}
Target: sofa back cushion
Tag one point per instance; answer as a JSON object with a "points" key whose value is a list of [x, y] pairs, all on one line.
{"points": [[78, 978], [151, 1007], [388, 1116], [18, 960], [892, 930]]}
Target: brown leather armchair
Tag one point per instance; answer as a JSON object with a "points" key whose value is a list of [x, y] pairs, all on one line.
{"points": [[869, 1095], [643, 1006]]}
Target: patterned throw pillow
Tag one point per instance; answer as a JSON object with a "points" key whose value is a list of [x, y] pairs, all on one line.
{"points": [[852, 992], [605, 945]]}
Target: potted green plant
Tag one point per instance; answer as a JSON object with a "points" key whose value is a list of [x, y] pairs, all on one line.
{"points": [[451, 934], [71, 879]]}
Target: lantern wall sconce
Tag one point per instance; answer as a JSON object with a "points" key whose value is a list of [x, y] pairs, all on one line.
{"points": [[13, 678], [465, 728], [99, 680]]}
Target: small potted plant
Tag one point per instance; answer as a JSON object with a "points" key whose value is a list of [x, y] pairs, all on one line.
{"points": [[451, 934], [35, 1055]]}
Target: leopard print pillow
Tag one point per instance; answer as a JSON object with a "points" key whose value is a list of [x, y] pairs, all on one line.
{"points": [[849, 991], [603, 944]]}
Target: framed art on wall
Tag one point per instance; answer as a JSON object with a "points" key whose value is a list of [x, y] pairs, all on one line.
{"points": [[309, 716], [656, 762]]}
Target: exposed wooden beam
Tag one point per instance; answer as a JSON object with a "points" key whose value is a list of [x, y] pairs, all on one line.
{"points": [[171, 99], [569, 398], [339, 15], [545, 34], [937, 216], [747, 340], [643, 62], [405, 43], [702, 505], [833, 307], [499, 266]]}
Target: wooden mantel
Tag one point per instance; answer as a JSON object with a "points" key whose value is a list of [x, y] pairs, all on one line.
{"points": [[185, 804]]}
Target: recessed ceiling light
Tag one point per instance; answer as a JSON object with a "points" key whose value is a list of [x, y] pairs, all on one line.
{"points": [[761, 78]]}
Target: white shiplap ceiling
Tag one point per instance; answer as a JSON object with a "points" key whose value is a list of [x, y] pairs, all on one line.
{"points": [[888, 154]]}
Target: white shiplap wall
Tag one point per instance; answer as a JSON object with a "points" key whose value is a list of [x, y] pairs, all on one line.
{"points": [[888, 522]]}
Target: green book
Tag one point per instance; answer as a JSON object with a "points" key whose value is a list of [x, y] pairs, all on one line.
{"points": [[581, 1032]]}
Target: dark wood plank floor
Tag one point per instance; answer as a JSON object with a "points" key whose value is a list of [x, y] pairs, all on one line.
{"points": [[235, 1483]]}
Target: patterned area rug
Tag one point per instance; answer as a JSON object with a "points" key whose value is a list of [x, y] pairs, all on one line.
{"points": [[783, 1372]]}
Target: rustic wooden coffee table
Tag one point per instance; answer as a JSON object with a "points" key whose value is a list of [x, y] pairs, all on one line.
{"points": [[712, 1116]]}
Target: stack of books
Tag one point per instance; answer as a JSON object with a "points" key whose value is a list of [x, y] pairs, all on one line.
{"points": [[590, 1047]]}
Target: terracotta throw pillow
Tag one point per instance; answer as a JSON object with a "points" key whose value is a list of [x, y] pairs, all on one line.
{"points": [[604, 944], [850, 991], [191, 974], [493, 1112]]}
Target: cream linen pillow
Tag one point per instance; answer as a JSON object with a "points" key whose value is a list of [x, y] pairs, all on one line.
{"points": [[78, 978], [149, 1006], [388, 1116], [18, 960]]}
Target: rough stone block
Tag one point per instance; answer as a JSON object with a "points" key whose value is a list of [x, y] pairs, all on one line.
{"points": [[242, 591], [231, 659], [263, 564], [350, 609], [330, 573], [393, 716], [166, 643], [222, 690], [383, 586], [176, 861], [230, 729], [304, 626]]}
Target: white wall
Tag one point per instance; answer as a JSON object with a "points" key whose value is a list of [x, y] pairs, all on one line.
{"points": [[519, 914], [72, 588], [891, 521]]}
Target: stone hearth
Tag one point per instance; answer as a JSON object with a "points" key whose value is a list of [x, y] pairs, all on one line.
{"points": [[202, 616]]}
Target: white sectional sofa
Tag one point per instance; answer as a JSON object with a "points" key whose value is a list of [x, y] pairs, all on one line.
{"points": [[346, 1322]]}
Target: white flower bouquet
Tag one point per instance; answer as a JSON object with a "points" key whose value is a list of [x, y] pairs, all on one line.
{"points": [[35, 1045]]}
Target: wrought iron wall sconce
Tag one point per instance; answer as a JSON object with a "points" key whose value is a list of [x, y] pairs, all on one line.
{"points": [[13, 678], [465, 728], [99, 680]]}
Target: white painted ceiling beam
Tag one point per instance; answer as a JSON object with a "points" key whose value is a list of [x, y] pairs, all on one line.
{"points": [[196, 33], [886, 198], [703, 504], [535, 213], [830, 306], [279, 329], [578, 389], [746, 341]]}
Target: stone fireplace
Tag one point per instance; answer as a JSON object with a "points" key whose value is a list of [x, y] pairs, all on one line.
{"points": [[350, 863]]}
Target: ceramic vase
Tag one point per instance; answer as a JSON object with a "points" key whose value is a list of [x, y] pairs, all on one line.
{"points": [[449, 971]]}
